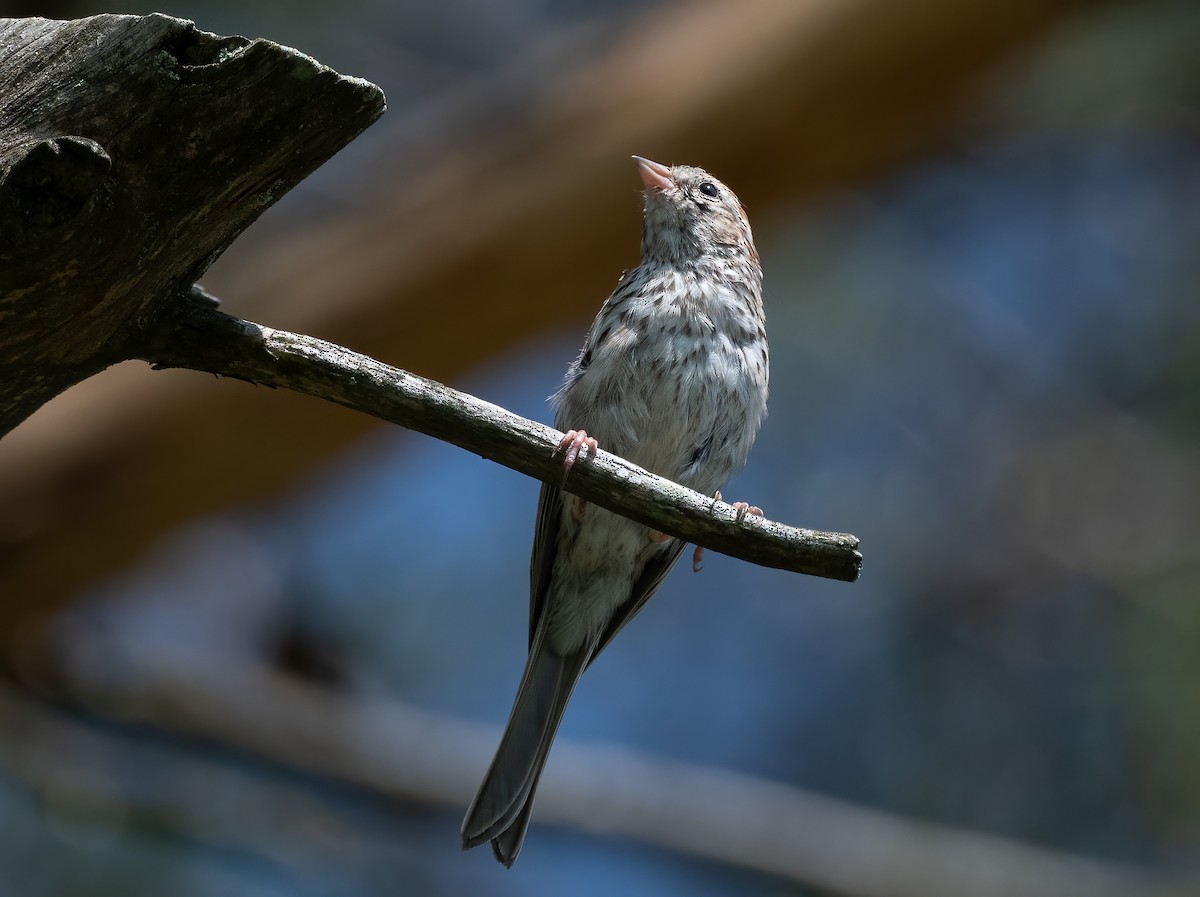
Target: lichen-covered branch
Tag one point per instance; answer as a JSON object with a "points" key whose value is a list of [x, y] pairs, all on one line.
{"points": [[195, 335]]}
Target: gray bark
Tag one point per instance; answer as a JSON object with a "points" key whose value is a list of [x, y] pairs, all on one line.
{"points": [[200, 338], [133, 151]]}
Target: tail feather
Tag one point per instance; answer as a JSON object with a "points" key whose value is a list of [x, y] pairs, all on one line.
{"points": [[507, 845], [500, 811]]}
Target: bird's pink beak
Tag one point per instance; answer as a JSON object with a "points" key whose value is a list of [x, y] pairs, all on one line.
{"points": [[654, 175]]}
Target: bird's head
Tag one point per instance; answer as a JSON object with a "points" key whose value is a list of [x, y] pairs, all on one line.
{"points": [[689, 215]]}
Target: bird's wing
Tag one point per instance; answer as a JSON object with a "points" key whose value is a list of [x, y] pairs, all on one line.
{"points": [[646, 585], [545, 547], [541, 567]]}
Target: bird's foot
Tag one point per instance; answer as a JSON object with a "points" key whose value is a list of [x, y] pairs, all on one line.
{"points": [[742, 508], [573, 444]]}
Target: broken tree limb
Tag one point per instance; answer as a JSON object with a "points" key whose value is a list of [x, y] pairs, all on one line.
{"points": [[133, 151]]}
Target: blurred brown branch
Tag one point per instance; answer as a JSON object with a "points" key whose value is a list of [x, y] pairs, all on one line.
{"points": [[194, 335], [415, 755]]}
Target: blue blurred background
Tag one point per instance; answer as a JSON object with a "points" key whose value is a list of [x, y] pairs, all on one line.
{"points": [[984, 364]]}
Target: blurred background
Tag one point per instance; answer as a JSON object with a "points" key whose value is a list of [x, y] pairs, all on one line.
{"points": [[264, 647]]}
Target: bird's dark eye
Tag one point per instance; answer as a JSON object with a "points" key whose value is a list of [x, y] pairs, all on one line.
{"points": [[708, 188]]}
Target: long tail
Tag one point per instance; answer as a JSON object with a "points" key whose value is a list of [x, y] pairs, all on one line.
{"points": [[500, 811]]}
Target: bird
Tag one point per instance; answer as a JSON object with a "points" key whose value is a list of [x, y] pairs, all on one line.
{"points": [[673, 377]]}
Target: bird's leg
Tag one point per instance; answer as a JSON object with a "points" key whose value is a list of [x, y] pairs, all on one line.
{"points": [[573, 444], [742, 508], [578, 507]]}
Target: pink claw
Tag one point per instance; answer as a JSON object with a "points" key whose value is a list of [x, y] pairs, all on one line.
{"points": [[744, 508], [574, 443]]}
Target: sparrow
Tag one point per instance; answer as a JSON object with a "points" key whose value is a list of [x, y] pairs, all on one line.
{"points": [[673, 377]]}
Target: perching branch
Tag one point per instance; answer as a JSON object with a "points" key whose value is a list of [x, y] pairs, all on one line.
{"points": [[194, 335]]}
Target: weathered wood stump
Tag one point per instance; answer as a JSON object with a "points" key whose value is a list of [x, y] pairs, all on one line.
{"points": [[133, 151]]}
